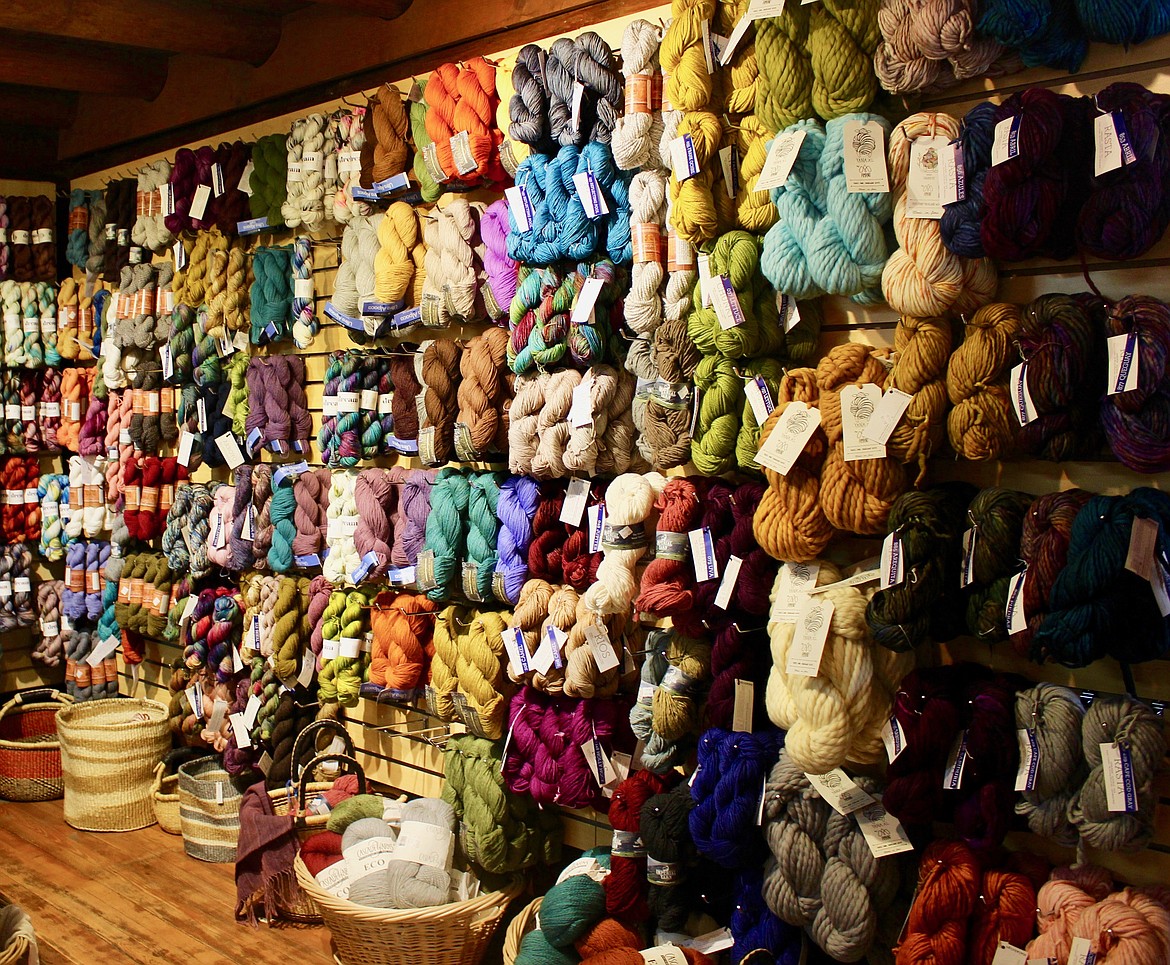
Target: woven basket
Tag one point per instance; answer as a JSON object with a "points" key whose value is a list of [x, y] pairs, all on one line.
{"points": [[15, 946], [30, 754], [109, 749], [518, 927], [453, 934], [164, 795], [209, 810]]}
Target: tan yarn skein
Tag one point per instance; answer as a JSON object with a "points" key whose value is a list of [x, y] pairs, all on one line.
{"points": [[619, 452], [522, 416], [581, 452], [857, 496], [552, 427], [582, 678], [438, 371], [922, 278], [485, 390], [237, 298], [922, 348], [562, 614], [980, 424], [391, 124], [529, 615], [790, 522]]}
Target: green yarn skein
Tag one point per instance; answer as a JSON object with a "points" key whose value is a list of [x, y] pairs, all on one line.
{"points": [[354, 809], [269, 179], [446, 536], [720, 408]]}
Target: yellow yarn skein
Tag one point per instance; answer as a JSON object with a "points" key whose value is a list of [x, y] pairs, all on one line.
{"points": [[394, 266], [482, 678], [675, 709], [688, 83], [693, 212], [450, 634]]}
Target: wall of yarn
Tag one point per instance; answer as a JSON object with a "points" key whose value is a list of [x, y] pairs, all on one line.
{"points": [[457, 379]]}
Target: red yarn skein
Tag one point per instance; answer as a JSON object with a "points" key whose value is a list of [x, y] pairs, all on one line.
{"points": [[948, 888]]}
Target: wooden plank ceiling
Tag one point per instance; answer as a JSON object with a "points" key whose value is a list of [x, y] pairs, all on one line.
{"points": [[88, 86]]}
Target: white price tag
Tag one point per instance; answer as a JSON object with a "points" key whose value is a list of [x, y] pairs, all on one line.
{"points": [[1023, 407], [1006, 143], [788, 437], [796, 579], [891, 564], [894, 738], [1117, 768], [865, 158], [858, 403], [1029, 759], [882, 831], [782, 154], [199, 202], [727, 584], [573, 508], [1123, 363], [1016, 618], [808, 642], [839, 791], [603, 653], [923, 183]]}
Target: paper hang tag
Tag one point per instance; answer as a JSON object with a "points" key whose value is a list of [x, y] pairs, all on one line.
{"points": [[517, 651], [923, 195], [865, 158], [1123, 363], [727, 584], [576, 496], [664, 955], [217, 186], [788, 437], [599, 763], [703, 555], [1143, 541], [683, 161], [894, 738], [1015, 616], [1081, 952], [199, 202], [956, 763], [745, 700], [808, 642], [245, 182], [952, 174], [967, 566], [704, 265], [1029, 759], [891, 564], [230, 450], [520, 207], [759, 398], [789, 310], [218, 713], [782, 154], [1023, 407], [586, 300], [1160, 583], [335, 879], [839, 791], [796, 579], [1006, 143], [708, 51], [858, 403], [882, 831], [1007, 954], [240, 731], [1112, 146], [604, 655], [596, 515], [589, 192], [1117, 768], [726, 303], [729, 165]]}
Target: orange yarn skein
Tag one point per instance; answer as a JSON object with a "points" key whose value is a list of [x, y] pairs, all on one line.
{"points": [[948, 887], [475, 112], [403, 625], [442, 96]]}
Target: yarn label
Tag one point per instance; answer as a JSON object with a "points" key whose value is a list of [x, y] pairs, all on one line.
{"points": [[1022, 405], [1143, 539], [328, 649], [465, 162], [886, 415], [623, 536], [703, 555], [894, 738], [759, 397], [245, 182], [335, 879], [745, 700], [782, 153], [1112, 146], [858, 403], [166, 194], [1160, 582], [103, 650], [424, 571], [788, 437], [296, 172], [581, 409], [1029, 759], [1117, 770], [705, 293], [729, 162], [585, 865], [596, 527], [599, 763], [952, 174], [865, 158], [627, 844], [469, 581], [839, 791], [217, 187], [923, 194], [425, 844], [520, 207], [1081, 952], [199, 202], [573, 508], [956, 763], [589, 192], [664, 955], [727, 584], [1006, 142], [604, 654], [1007, 954], [967, 563], [792, 587], [349, 647], [1016, 617], [347, 402], [310, 161], [349, 161], [1123, 363], [808, 642], [431, 161], [168, 363], [549, 651], [517, 651], [253, 226], [368, 856], [240, 731], [586, 300], [426, 445], [230, 450], [677, 681], [891, 564], [671, 546], [218, 713], [683, 161], [882, 831], [726, 303], [712, 942], [328, 405]]}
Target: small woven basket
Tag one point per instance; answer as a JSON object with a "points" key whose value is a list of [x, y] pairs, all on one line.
{"points": [[30, 754], [164, 795], [109, 749], [209, 810], [17, 939], [524, 922], [457, 933]]}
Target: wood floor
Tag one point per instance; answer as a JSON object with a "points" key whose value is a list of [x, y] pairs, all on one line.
{"points": [[136, 897]]}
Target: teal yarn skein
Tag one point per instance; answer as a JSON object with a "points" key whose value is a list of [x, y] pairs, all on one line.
{"points": [[570, 908], [483, 529], [445, 533], [284, 529], [271, 294]]}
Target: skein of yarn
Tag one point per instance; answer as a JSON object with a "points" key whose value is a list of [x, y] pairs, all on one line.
{"points": [[980, 424], [1133, 419]]}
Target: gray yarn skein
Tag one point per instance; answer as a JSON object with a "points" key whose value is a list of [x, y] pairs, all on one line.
{"points": [[372, 889], [1131, 722], [822, 875], [411, 885], [1055, 715]]}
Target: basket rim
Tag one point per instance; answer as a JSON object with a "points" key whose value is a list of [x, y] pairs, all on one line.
{"points": [[89, 707], [477, 907], [14, 710]]}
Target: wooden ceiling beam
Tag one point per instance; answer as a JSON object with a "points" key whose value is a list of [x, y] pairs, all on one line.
{"points": [[80, 66], [36, 106], [28, 153], [175, 26], [386, 9]]}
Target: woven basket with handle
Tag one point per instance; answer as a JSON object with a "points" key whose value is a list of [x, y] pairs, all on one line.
{"points": [[30, 754], [525, 921]]}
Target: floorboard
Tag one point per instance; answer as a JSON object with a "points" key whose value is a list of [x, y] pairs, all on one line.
{"points": [[133, 897]]}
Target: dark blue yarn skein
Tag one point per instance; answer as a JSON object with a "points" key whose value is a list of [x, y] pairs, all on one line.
{"points": [[1046, 33], [960, 221]]}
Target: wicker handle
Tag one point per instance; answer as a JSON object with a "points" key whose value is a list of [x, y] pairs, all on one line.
{"points": [[346, 759], [309, 734], [23, 697]]}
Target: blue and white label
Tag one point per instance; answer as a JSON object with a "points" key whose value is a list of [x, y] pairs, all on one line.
{"points": [[520, 207], [684, 162], [1112, 146], [369, 561], [726, 303], [253, 441], [703, 554], [517, 650], [1015, 615], [397, 182], [1022, 404], [1123, 363], [759, 397], [894, 738], [405, 319], [952, 175], [1117, 768], [1006, 144], [956, 762], [362, 194], [253, 226], [382, 308], [891, 562], [596, 526], [1029, 759], [589, 193], [1081, 952]]}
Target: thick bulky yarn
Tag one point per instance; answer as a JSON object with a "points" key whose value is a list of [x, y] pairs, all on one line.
{"points": [[961, 220], [1053, 716], [997, 518], [1135, 421], [948, 890], [979, 425]]}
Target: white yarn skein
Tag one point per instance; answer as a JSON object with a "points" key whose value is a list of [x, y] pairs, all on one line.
{"points": [[294, 185], [837, 715], [552, 426], [75, 522], [150, 230], [629, 501], [636, 135], [355, 275], [453, 266], [643, 305], [12, 295], [112, 371], [312, 196], [522, 417], [342, 517], [581, 451], [330, 178], [680, 285]]}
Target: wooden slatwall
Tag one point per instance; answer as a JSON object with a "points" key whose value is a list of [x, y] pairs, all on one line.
{"points": [[388, 739]]}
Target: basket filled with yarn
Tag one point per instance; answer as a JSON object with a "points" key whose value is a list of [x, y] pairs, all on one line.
{"points": [[30, 754]]}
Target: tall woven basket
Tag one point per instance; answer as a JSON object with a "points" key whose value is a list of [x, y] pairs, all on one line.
{"points": [[453, 934], [209, 810], [30, 754], [109, 749]]}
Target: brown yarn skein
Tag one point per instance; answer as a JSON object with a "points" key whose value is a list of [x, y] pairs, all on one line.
{"points": [[388, 117], [42, 217], [980, 424], [922, 348], [440, 380], [404, 406], [485, 390]]}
